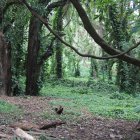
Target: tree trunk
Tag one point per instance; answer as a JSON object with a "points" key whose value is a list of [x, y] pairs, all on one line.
{"points": [[120, 79], [109, 69], [77, 69], [5, 67], [58, 56], [93, 68], [17, 61], [33, 68], [59, 60], [33, 71], [52, 66]]}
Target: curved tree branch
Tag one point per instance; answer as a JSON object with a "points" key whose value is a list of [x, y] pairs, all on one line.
{"points": [[92, 32], [115, 53]]}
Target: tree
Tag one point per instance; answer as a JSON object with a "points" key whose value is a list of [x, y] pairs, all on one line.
{"points": [[38, 52], [119, 25], [59, 51], [92, 32], [5, 67], [35, 61], [5, 56], [90, 29], [32, 68]]}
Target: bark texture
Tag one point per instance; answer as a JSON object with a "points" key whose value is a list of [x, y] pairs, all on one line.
{"points": [[59, 50], [32, 71], [5, 67]]}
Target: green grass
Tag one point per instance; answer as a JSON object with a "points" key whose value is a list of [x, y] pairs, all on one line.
{"points": [[71, 115], [78, 98], [7, 108]]}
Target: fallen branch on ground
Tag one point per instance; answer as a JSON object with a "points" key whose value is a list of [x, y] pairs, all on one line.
{"points": [[51, 125], [29, 126]]}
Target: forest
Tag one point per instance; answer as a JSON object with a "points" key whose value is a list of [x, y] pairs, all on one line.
{"points": [[70, 69]]}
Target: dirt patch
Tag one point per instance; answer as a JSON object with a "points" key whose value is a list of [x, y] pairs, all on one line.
{"points": [[87, 128]]}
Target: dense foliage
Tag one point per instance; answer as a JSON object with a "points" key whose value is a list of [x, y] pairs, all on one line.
{"points": [[37, 55]]}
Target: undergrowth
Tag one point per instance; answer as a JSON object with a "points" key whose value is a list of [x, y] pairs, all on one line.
{"points": [[10, 112], [87, 97], [7, 108]]}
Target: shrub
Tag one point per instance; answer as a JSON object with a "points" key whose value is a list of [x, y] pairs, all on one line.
{"points": [[117, 95]]}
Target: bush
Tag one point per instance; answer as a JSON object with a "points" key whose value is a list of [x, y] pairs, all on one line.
{"points": [[117, 95]]}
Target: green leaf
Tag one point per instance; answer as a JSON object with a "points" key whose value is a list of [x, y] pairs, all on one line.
{"points": [[137, 109]]}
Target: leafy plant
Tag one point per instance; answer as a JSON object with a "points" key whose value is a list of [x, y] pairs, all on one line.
{"points": [[137, 109], [118, 112], [118, 96], [80, 90]]}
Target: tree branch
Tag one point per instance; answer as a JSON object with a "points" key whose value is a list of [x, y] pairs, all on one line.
{"points": [[103, 44], [92, 32], [47, 54]]}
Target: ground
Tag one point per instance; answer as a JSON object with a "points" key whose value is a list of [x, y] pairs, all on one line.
{"points": [[86, 127]]}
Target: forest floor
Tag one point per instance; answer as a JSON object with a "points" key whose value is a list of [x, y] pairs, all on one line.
{"points": [[84, 127]]}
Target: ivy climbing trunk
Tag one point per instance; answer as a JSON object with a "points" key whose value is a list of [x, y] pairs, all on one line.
{"points": [[93, 68], [32, 70], [58, 56], [59, 59], [5, 67], [120, 36], [77, 69], [18, 63], [109, 69]]}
